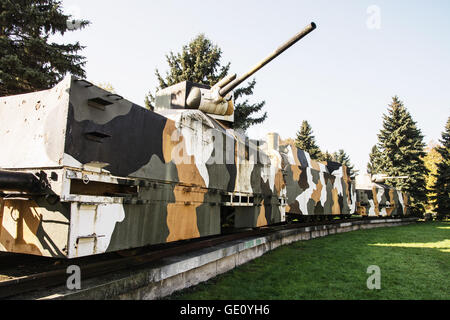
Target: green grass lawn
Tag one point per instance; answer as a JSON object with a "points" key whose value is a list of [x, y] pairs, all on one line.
{"points": [[414, 262]]}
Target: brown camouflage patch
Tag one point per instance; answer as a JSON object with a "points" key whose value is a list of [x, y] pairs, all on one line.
{"points": [[168, 143], [279, 182], [392, 202], [315, 165], [182, 215], [294, 207], [317, 192], [375, 201], [262, 221], [294, 153], [335, 209], [405, 203], [361, 210], [296, 172]]}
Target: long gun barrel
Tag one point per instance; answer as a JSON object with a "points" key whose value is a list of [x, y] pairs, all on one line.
{"points": [[217, 99], [228, 88], [18, 181]]}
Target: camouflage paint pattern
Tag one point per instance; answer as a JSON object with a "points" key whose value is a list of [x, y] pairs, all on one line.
{"points": [[316, 188], [120, 176], [377, 199]]}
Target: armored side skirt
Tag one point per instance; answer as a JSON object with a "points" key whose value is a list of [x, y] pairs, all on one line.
{"points": [[96, 213]]}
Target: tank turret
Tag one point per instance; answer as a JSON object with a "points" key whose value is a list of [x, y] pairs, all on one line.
{"points": [[217, 101]]}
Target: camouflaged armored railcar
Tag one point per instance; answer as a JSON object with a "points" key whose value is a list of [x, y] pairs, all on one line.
{"points": [[84, 172], [379, 199]]}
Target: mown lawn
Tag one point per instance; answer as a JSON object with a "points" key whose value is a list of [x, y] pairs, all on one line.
{"points": [[414, 261]]}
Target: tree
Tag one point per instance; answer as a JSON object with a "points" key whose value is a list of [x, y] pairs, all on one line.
{"points": [[199, 62], [326, 156], [307, 142], [402, 151], [28, 62], [148, 102], [243, 110], [341, 157], [441, 187], [431, 160], [374, 165]]}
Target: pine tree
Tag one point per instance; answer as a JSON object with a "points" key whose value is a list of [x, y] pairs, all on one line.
{"points": [[306, 141], [148, 102], [441, 188], [402, 151], [341, 157], [199, 62], [431, 160], [243, 110], [326, 156], [28, 62], [373, 167]]}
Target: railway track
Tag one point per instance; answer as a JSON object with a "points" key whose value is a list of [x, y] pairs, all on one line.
{"points": [[112, 263]]}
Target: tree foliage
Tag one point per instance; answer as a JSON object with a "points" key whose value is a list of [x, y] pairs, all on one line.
{"points": [[402, 152], [28, 61], [306, 141], [199, 62], [441, 187], [326, 156], [374, 165], [243, 110], [341, 157], [431, 160]]}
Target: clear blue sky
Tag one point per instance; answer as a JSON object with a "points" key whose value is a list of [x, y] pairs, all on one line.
{"points": [[340, 78]]}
